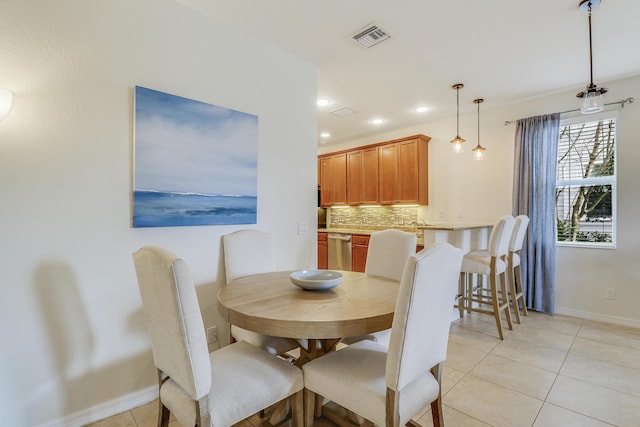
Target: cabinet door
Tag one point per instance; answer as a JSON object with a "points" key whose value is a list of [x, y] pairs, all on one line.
{"points": [[333, 186], [359, 249], [370, 176], [362, 176], [388, 174], [340, 179], [408, 168], [323, 251], [355, 177]]}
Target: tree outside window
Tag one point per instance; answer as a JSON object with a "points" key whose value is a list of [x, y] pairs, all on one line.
{"points": [[586, 182]]}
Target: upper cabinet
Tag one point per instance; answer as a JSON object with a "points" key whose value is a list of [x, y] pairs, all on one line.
{"points": [[391, 172], [333, 179], [362, 176], [403, 176]]}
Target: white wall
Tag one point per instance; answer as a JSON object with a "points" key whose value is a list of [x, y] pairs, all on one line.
{"points": [[74, 344], [483, 192]]}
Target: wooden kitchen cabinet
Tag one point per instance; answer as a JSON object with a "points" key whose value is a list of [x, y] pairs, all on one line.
{"points": [[403, 172], [362, 176], [323, 251], [333, 180], [386, 173], [359, 249]]}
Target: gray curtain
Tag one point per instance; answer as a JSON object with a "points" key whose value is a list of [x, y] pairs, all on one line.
{"points": [[534, 195]]}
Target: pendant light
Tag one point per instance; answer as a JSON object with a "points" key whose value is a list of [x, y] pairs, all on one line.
{"points": [[478, 152], [457, 141], [592, 96]]}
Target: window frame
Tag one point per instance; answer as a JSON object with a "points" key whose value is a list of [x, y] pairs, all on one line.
{"points": [[601, 180]]}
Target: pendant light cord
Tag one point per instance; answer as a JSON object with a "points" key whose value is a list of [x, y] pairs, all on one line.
{"points": [[590, 47]]}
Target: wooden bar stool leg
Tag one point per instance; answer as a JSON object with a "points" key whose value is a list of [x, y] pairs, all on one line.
{"points": [[518, 277], [461, 294], [496, 305], [513, 294], [504, 300]]}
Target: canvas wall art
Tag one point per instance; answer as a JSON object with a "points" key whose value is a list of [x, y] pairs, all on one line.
{"points": [[194, 163]]}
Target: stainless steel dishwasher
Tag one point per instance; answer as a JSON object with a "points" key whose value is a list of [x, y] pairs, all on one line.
{"points": [[339, 251]]}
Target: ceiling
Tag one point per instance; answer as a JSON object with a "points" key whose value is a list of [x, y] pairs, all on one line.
{"points": [[504, 51]]}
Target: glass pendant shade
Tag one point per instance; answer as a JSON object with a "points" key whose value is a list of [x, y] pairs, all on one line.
{"points": [[457, 144], [592, 101], [478, 152]]}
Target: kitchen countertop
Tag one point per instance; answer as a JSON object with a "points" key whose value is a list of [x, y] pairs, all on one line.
{"points": [[418, 229], [443, 226]]}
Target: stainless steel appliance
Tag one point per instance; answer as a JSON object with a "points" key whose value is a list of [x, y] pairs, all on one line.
{"points": [[339, 251]]}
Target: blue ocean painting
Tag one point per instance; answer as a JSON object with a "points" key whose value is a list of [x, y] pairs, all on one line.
{"points": [[194, 163]]}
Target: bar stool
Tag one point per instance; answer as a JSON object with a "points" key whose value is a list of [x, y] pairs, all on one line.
{"points": [[492, 263], [516, 291]]}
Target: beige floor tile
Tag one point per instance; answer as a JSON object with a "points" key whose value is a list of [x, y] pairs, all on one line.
{"points": [[556, 323], [452, 418], [532, 381], [485, 324], [493, 404], [620, 378], [595, 401], [462, 358], [555, 416], [623, 356], [531, 354], [450, 377], [611, 334], [146, 415], [124, 419], [470, 338], [547, 338]]}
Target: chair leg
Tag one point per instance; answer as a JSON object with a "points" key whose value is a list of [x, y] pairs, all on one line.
{"points": [[309, 407], [297, 409], [496, 305], [436, 405], [461, 294], [163, 411], [520, 295], [513, 295], [504, 300], [163, 415]]}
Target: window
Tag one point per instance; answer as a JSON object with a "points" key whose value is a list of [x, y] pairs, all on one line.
{"points": [[586, 182]]}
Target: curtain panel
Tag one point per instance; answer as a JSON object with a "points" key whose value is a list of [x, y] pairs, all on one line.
{"points": [[534, 191]]}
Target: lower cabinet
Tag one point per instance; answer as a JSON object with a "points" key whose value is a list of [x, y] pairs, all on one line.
{"points": [[359, 248], [323, 251]]}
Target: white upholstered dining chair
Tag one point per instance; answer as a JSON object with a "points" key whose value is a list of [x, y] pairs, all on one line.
{"points": [[387, 255], [490, 262], [248, 252], [200, 388], [516, 291], [389, 386]]}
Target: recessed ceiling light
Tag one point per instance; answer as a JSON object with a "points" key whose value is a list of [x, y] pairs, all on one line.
{"points": [[377, 121], [422, 109], [325, 135], [323, 102]]}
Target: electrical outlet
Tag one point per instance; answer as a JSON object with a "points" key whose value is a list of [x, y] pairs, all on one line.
{"points": [[611, 294], [400, 222], [212, 335], [303, 227]]}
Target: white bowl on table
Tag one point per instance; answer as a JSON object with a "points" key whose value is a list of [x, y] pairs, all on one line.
{"points": [[316, 280]]}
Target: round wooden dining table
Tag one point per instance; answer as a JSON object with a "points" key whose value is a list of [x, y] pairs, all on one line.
{"points": [[270, 304]]}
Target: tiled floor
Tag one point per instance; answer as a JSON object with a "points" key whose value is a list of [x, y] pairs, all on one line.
{"points": [[548, 372]]}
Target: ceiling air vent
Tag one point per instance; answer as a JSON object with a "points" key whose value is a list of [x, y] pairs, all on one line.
{"points": [[371, 36], [343, 112]]}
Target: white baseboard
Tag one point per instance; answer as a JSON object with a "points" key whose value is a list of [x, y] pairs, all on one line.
{"points": [[598, 317], [107, 409]]}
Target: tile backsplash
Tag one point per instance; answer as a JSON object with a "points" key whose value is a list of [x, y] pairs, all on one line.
{"points": [[372, 217]]}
